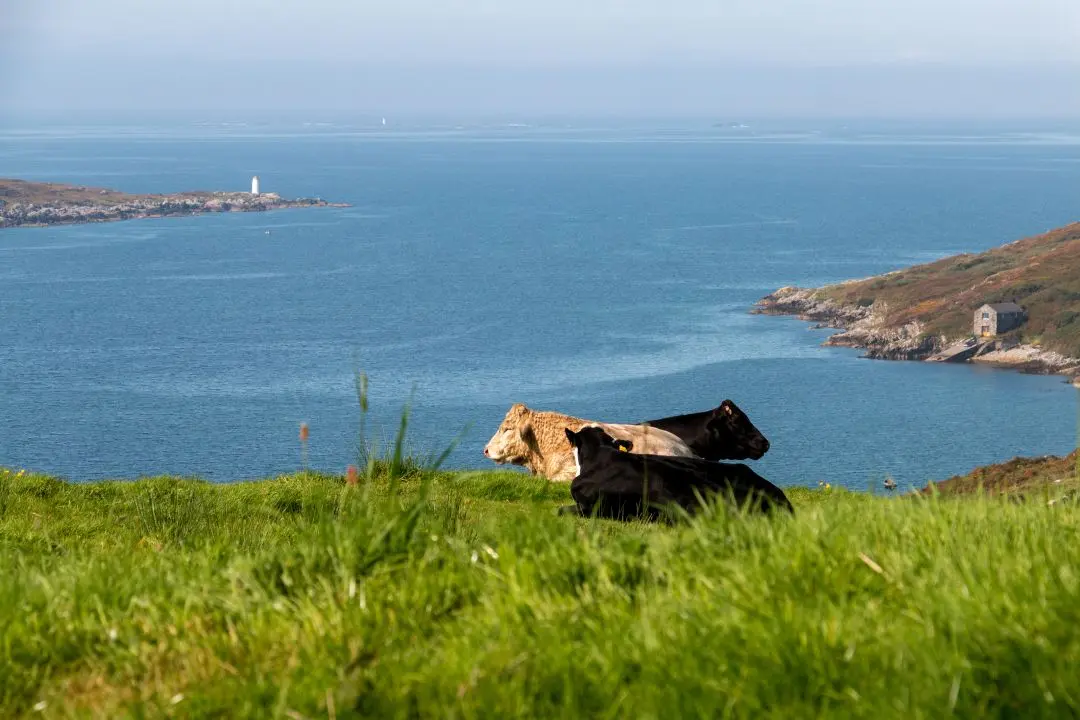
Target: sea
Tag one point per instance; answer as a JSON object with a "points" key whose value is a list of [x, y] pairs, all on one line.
{"points": [[598, 268]]}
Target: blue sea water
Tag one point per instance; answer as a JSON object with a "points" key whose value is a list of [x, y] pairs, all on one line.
{"points": [[600, 270]]}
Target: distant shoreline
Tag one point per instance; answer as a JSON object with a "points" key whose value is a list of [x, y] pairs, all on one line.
{"points": [[925, 312], [860, 328], [35, 205]]}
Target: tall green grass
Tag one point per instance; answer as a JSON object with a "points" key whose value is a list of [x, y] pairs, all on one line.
{"points": [[466, 596], [393, 461]]}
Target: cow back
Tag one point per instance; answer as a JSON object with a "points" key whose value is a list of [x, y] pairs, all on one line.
{"points": [[648, 440], [621, 484], [724, 433]]}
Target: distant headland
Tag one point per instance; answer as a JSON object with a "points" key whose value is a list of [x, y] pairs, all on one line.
{"points": [[37, 204], [1015, 306]]}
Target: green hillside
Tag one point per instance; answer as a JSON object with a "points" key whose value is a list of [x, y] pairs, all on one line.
{"points": [[1052, 474]]}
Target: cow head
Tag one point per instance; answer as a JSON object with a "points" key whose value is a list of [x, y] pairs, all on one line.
{"points": [[595, 436], [515, 441], [730, 428], [587, 440], [732, 435]]}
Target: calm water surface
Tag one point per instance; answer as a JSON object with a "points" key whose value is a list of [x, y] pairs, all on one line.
{"points": [[603, 272]]}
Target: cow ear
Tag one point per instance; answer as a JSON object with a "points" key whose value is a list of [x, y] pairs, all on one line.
{"points": [[528, 435], [624, 445], [570, 435]]}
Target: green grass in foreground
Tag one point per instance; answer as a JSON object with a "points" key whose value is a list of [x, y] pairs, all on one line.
{"points": [[303, 597]]}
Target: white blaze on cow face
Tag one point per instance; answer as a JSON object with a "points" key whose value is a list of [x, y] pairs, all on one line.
{"points": [[507, 444], [577, 460], [496, 446]]}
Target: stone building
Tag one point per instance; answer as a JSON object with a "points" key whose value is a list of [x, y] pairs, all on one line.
{"points": [[997, 318]]}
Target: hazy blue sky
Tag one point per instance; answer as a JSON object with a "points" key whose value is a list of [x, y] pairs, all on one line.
{"points": [[749, 57]]}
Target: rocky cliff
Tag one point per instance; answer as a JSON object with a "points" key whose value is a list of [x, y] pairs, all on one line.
{"points": [[861, 326]]}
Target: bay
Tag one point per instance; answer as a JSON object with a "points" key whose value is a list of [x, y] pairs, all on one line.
{"points": [[603, 270]]}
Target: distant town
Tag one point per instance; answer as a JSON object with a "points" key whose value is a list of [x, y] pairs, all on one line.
{"points": [[35, 204]]}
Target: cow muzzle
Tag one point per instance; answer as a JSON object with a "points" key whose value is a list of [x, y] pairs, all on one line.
{"points": [[759, 449]]}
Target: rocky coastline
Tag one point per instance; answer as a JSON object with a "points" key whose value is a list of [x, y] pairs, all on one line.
{"points": [[42, 205], [864, 327]]}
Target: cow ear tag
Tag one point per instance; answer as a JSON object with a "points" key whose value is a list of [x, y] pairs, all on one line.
{"points": [[622, 448]]}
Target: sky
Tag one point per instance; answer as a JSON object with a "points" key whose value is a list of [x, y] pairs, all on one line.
{"points": [[735, 58]]}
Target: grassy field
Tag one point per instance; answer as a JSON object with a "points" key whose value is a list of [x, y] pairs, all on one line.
{"points": [[1041, 273], [464, 595]]}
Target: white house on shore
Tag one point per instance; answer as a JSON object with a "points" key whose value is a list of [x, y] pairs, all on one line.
{"points": [[254, 184]]}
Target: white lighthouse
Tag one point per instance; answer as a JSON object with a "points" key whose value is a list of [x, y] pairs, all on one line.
{"points": [[254, 184]]}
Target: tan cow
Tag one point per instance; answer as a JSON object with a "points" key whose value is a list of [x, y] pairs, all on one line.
{"points": [[537, 440]]}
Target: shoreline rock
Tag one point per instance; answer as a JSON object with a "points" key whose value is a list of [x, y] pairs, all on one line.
{"points": [[863, 327], [137, 207]]}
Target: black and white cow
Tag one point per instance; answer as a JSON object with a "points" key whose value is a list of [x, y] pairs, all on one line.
{"points": [[723, 433], [615, 483]]}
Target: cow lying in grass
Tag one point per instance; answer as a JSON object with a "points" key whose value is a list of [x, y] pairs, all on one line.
{"points": [[535, 440], [614, 483], [723, 433]]}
